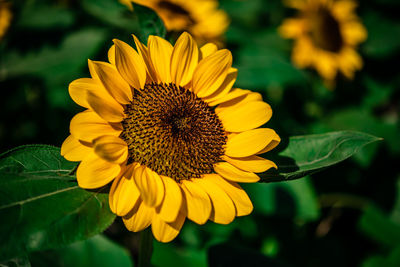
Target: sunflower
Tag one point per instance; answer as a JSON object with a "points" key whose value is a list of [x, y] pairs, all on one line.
{"points": [[5, 17], [326, 34], [201, 18], [164, 125]]}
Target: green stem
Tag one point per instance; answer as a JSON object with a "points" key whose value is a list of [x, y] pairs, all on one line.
{"points": [[145, 248]]}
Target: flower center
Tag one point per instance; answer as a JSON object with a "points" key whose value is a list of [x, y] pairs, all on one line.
{"points": [[172, 131], [325, 31]]}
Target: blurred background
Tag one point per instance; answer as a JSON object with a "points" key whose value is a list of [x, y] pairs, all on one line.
{"points": [[348, 215]]}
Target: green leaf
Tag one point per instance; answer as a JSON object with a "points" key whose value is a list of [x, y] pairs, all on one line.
{"points": [[380, 41], [392, 260], [168, 253], [295, 199], [242, 14], [142, 21], [378, 93], [41, 205], [379, 226], [40, 16], [97, 251], [308, 154], [362, 119], [56, 62], [267, 64], [58, 66]]}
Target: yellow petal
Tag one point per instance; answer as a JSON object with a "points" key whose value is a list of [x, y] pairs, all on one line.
{"points": [[130, 64], [160, 52], [197, 201], [224, 88], [344, 9], [87, 125], [94, 172], [123, 194], [105, 106], [144, 53], [139, 217], [111, 148], [78, 89], [349, 62], [208, 49], [245, 117], [231, 173], [274, 142], [233, 94], [303, 53], [251, 164], [326, 65], [169, 209], [184, 59], [74, 150], [292, 28], [111, 55], [223, 211], [150, 185], [166, 231], [211, 72], [239, 97], [250, 142], [113, 82], [354, 33], [92, 71], [235, 192]]}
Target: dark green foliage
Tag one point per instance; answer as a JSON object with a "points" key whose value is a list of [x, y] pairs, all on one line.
{"points": [[41, 204], [96, 251], [308, 154]]}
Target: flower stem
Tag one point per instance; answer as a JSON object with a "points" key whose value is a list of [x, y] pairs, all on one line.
{"points": [[145, 248]]}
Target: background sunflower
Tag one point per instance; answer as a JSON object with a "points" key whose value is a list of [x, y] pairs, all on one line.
{"points": [[326, 36], [201, 18], [344, 216]]}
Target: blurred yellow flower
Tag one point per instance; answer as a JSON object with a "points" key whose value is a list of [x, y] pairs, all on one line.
{"points": [[5, 17], [326, 34], [201, 18], [164, 125]]}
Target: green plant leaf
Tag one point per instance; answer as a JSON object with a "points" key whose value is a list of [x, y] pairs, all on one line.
{"points": [[308, 154], [40, 16], [392, 260], [56, 63], [57, 66], [362, 119], [380, 41], [379, 226], [169, 254], [142, 21], [267, 64], [41, 205], [294, 199], [97, 251]]}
